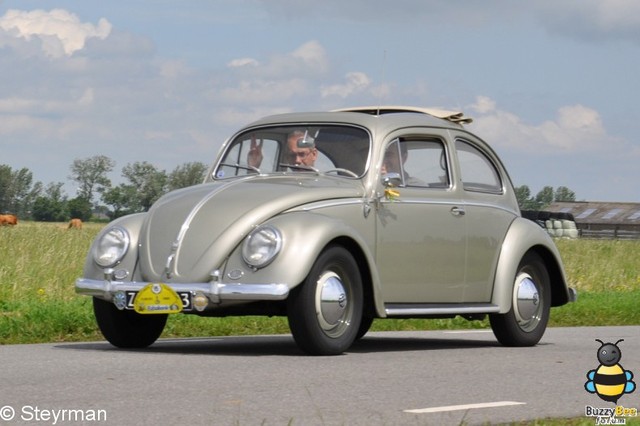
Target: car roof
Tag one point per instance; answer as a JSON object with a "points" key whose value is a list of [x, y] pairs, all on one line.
{"points": [[452, 116], [375, 117]]}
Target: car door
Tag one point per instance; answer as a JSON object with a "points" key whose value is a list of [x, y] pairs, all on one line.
{"points": [[421, 237], [488, 217]]}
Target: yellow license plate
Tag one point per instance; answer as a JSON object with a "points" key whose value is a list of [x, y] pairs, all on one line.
{"points": [[157, 298]]}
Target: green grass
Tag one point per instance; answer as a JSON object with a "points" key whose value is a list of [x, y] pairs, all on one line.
{"points": [[39, 263]]}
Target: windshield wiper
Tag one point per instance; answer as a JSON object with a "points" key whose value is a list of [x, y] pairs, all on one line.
{"points": [[300, 167], [240, 166]]}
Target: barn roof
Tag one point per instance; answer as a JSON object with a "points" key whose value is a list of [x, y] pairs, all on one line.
{"points": [[591, 212]]}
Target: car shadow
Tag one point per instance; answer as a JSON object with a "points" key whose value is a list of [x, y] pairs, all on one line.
{"points": [[284, 345]]}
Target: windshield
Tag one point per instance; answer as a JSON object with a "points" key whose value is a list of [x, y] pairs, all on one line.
{"points": [[328, 149]]}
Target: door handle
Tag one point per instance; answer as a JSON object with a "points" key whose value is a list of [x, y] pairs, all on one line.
{"points": [[457, 211]]}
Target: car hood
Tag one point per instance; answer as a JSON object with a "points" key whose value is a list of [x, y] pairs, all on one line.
{"points": [[189, 232]]}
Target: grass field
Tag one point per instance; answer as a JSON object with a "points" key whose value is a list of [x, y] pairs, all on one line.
{"points": [[39, 263]]}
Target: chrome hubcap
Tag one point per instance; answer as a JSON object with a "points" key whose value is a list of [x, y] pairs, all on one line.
{"points": [[526, 302], [332, 304]]}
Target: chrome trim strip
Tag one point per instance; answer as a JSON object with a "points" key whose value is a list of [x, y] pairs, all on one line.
{"points": [[329, 203], [439, 309], [460, 202], [174, 251], [468, 203], [215, 291]]}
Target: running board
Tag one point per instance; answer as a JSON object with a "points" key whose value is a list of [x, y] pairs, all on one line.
{"points": [[435, 309]]}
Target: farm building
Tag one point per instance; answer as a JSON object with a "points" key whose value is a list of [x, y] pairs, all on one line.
{"points": [[601, 219]]}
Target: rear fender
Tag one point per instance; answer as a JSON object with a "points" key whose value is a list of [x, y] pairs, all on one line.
{"points": [[524, 236]]}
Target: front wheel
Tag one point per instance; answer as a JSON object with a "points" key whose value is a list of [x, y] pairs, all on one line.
{"points": [[324, 311], [127, 329], [527, 319]]}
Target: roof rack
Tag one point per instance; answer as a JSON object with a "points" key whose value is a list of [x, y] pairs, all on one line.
{"points": [[452, 116]]}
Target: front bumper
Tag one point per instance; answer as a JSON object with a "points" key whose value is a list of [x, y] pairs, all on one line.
{"points": [[216, 292]]}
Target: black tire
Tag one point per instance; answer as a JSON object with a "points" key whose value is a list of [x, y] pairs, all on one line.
{"points": [[365, 325], [527, 320], [127, 329], [325, 311]]}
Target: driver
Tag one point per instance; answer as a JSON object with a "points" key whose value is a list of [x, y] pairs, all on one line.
{"points": [[301, 150]]}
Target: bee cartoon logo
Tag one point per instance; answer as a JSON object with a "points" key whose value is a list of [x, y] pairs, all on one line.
{"points": [[609, 381]]}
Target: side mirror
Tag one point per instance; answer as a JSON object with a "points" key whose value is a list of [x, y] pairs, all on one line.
{"points": [[391, 180]]}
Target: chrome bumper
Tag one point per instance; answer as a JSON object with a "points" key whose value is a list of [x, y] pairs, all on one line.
{"points": [[216, 292]]}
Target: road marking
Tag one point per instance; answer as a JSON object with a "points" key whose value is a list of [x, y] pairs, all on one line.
{"points": [[464, 407]]}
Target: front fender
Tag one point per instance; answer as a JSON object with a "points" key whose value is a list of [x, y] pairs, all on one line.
{"points": [[133, 224], [524, 236], [305, 235]]}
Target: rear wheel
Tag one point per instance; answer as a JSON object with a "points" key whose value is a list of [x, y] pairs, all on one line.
{"points": [[324, 311], [127, 329], [527, 320]]}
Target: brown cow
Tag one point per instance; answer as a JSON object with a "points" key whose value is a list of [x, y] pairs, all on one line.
{"points": [[8, 219], [75, 224]]}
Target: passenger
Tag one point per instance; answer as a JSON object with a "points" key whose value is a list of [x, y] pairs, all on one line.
{"points": [[391, 164]]}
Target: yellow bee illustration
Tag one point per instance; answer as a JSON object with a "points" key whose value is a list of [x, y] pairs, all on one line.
{"points": [[609, 381]]}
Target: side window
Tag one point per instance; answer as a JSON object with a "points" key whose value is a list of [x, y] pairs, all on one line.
{"points": [[421, 162], [478, 171]]}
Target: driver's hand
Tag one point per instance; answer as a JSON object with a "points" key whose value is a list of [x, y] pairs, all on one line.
{"points": [[254, 157]]}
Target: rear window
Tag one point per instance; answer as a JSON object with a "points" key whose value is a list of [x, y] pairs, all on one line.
{"points": [[478, 171]]}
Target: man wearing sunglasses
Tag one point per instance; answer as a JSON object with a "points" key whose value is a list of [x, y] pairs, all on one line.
{"points": [[301, 151]]}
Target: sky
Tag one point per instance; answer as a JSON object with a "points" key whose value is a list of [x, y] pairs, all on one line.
{"points": [[552, 85]]}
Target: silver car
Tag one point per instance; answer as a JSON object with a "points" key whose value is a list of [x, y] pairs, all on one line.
{"points": [[333, 219]]}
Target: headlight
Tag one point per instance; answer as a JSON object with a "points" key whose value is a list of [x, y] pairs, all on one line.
{"points": [[261, 246], [111, 247]]}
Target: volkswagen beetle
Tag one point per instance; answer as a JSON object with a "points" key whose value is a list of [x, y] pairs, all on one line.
{"points": [[333, 219]]}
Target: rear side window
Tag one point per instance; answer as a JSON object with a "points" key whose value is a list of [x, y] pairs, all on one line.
{"points": [[421, 162], [478, 171]]}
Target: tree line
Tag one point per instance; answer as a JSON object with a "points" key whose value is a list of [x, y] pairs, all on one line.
{"points": [[144, 184], [96, 196], [544, 198]]}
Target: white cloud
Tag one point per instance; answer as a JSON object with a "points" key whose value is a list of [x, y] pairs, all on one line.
{"points": [[262, 91], [309, 59], [60, 32], [237, 117], [355, 82], [582, 19], [243, 62], [38, 106], [174, 69], [592, 19], [434, 11], [484, 105], [312, 55], [576, 128], [274, 81]]}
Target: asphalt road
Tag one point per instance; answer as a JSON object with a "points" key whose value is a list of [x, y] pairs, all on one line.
{"points": [[391, 378]]}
